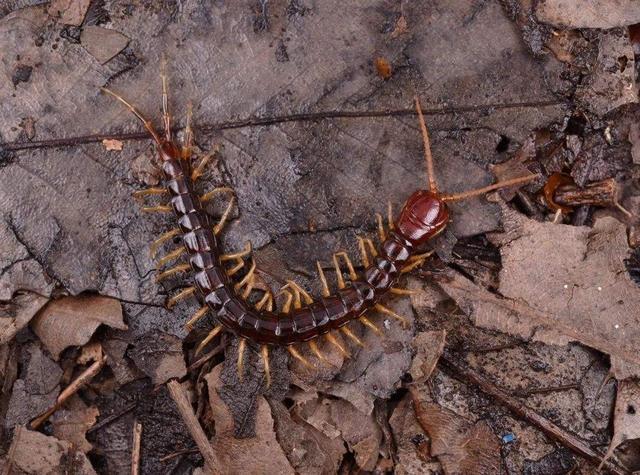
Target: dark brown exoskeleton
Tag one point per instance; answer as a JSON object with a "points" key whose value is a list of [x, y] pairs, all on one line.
{"points": [[301, 318]]}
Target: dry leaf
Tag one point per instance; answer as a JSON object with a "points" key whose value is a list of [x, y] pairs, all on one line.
{"points": [[588, 13], [37, 454], [560, 283], [16, 314], [71, 321], [71, 423], [112, 144], [626, 417], [159, 355], [462, 447], [384, 68], [400, 28], [70, 12], [259, 454], [103, 43], [428, 346]]}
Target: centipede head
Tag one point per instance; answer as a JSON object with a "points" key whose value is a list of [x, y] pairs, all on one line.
{"points": [[423, 216]]}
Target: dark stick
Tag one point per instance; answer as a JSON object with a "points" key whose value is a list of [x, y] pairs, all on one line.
{"points": [[265, 121], [467, 375]]}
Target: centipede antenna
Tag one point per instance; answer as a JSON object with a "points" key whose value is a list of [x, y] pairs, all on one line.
{"points": [[433, 186], [487, 189], [166, 118], [146, 122]]}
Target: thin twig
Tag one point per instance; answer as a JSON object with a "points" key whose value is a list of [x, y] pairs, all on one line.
{"points": [[135, 448], [113, 417], [195, 429], [467, 375], [166, 458], [266, 121], [69, 391]]}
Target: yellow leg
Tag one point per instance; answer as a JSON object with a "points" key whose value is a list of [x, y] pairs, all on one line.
{"points": [[172, 271], [202, 311], [216, 191], [150, 191], [296, 354], [286, 307], [218, 227], [239, 265], [183, 294], [161, 240], [325, 286], [212, 334], [413, 265], [266, 301], [334, 341], [199, 170], [368, 323], [388, 311], [316, 351], [296, 288], [347, 260], [265, 363], [173, 255], [364, 257], [157, 209], [351, 335], [390, 216], [398, 291], [240, 365], [249, 288], [166, 118], [187, 142], [236, 255], [245, 280], [382, 235]]}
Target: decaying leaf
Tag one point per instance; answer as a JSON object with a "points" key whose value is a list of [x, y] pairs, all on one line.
{"points": [[589, 13], [72, 421], [103, 43], [259, 454], [37, 388], [561, 283], [112, 144], [461, 446], [38, 454], [69, 12], [428, 346], [626, 417], [71, 321], [159, 355], [17, 313]]}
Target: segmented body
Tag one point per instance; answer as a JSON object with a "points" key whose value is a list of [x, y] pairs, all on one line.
{"points": [[260, 326]]}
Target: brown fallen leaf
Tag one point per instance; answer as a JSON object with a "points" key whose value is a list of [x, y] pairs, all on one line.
{"points": [[35, 453], [588, 13], [559, 284], [626, 416], [428, 346], [17, 313], [71, 321], [112, 144], [72, 421], [259, 454], [102, 43], [384, 68], [461, 446], [69, 12], [400, 28]]}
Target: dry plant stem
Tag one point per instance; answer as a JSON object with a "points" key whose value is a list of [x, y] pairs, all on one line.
{"points": [[113, 418], [135, 448], [69, 391], [467, 375], [599, 193], [12, 450], [191, 421]]}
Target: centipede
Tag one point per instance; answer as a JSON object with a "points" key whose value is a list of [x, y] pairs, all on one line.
{"points": [[229, 295]]}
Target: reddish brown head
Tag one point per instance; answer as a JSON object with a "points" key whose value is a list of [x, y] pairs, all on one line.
{"points": [[423, 216]]}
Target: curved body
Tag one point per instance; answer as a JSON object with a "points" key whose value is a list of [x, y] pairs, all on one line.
{"points": [[423, 216]]}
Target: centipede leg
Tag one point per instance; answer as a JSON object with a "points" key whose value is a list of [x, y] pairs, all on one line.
{"points": [[239, 265], [216, 191], [387, 311], [382, 235], [264, 352], [296, 354], [247, 278], [316, 351], [368, 323], [187, 142], [240, 364], [174, 270], [154, 190], [248, 248], [212, 334], [323, 280], [155, 245], [363, 244], [202, 311], [249, 287], [166, 118], [183, 294], [223, 219], [347, 331], [399, 291], [157, 209], [336, 264], [171, 256], [305, 295], [334, 341], [199, 170], [390, 216]]}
